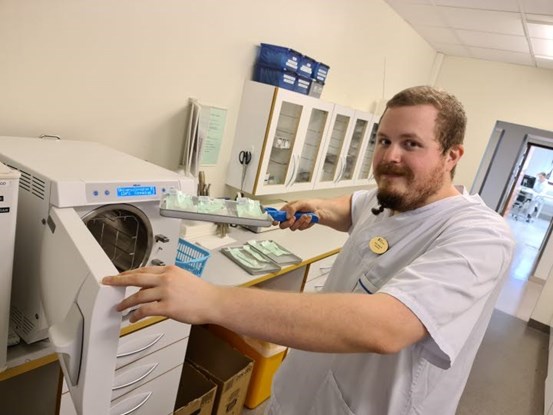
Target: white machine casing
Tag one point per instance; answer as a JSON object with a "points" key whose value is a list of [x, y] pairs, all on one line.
{"points": [[60, 260], [9, 185]]}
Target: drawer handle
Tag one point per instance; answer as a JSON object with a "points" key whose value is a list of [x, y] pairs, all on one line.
{"points": [[149, 369], [141, 349], [135, 408]]}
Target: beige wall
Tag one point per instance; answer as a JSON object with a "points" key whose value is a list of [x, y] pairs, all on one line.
{"points": [[121, 72], [513, 93], [494, 91]]}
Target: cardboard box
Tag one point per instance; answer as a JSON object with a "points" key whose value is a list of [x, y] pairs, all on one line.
{"points": [[267, 358], [229, 369], [196, 394]]}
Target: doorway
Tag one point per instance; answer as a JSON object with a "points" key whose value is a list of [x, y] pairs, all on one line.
{"points": [[509, 170], [529, 209]]}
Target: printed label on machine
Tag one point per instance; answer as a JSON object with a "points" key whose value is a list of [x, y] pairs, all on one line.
{"points": [[5, 210]]}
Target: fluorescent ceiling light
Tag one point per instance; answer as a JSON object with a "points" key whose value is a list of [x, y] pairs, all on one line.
{"points": [[541, 30], [547, 58], [542, 47]]}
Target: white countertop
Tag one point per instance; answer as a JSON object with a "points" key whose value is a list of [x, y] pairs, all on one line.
{"points": [[311, 245]]}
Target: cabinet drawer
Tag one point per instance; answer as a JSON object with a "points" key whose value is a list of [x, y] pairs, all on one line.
{"points": [[138, 373], [148, 340], [320, 268], [156, 397], [149, 367], [315, 285], [140, 343]]}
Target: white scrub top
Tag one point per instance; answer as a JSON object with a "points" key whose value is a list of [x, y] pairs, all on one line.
{"points": [[446, 262]]}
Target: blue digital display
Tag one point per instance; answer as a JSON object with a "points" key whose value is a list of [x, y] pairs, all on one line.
{"points": [[136, 191]]}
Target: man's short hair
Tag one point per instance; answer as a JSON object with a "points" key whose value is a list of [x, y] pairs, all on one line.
{"points": [[451, 120]]}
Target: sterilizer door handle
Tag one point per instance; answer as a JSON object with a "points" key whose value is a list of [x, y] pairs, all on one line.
{"points": [[67, 339]]}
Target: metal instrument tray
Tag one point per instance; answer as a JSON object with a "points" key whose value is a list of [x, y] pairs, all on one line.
{"points": [[231, 217], [267, 267]]}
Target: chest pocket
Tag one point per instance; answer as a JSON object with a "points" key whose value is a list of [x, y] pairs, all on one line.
{"points": [[374, 270]]}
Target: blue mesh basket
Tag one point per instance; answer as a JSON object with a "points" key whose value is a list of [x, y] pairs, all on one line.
{"points": [[191, 257]]}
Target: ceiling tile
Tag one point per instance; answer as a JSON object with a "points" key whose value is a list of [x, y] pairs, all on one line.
{"points": [[542, 47], [483, 21], [505, 5], [538, 6], [493, 41], [502, 56], [418, 14], [438, 34], [450, 49]]}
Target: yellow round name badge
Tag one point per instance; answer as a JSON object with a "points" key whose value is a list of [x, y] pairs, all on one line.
{"points": [[378, 245]]}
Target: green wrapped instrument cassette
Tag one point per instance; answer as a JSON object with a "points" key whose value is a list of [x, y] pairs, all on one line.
{"points": [[243, 211], [260, 257]]}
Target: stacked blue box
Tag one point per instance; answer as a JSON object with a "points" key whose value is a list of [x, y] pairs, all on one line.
{"points": [[287, 68], [306, 66], [320, 72], [302, 84], [277, 77], [279, 57]]}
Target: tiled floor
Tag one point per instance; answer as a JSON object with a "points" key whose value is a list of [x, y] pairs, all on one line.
{"points": [[519, 295]]}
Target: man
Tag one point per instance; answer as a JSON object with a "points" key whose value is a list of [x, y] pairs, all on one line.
{"points": [[535, 204], [408, 300]]}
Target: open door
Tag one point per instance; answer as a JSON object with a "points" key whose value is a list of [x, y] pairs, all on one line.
{"points": [[84, 326]]}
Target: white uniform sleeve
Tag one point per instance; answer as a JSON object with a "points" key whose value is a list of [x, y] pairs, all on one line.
{"points": [[451, 285]]}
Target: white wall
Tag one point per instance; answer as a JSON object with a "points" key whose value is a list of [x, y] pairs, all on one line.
{"points": [[121, 72]]}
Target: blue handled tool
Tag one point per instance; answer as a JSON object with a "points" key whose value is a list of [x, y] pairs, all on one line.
{"points": [[280, 215]]}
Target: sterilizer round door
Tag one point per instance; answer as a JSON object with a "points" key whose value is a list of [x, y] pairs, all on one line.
{"points": [[124, 233]]}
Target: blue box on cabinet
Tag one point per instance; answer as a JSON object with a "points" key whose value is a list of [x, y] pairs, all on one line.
{"points": [[306, 66], [320, 72], [279, 57], [302, 84], [277, 77]]}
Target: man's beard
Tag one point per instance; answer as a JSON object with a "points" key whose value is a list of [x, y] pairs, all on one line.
{"points": [[417, 192]]}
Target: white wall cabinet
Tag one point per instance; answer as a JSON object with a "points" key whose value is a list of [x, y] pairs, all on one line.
{"points": [[297, 142], [344, 150]]}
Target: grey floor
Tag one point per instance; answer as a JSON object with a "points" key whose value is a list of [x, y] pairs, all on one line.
{"points": [[509, 371]]}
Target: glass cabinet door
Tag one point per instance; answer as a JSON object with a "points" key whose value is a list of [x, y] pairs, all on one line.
{"points": [[333, 152], [354, 148], [365, 168], [312, 145], [283, 143]]}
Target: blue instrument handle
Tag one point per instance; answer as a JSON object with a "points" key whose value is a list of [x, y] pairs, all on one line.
{"points": [[280, 215]]}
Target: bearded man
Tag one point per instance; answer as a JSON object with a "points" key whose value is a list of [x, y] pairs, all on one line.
{"points": [[407, 302]]}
